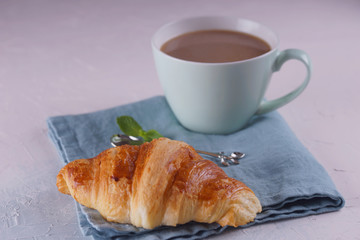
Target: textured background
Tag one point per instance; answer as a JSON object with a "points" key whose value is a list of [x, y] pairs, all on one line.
{"points": [[69, 57]]}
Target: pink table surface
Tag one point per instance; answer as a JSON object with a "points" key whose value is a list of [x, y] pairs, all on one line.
{"points": [[69, 57]]}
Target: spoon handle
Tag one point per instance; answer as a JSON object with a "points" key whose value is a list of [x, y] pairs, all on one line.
{"points": [[217, 155]]}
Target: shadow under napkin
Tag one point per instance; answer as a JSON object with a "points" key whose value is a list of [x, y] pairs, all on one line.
{"points": [[283, 174]]}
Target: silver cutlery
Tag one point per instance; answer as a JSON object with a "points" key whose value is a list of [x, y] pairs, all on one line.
{"points": [[121, 139]]}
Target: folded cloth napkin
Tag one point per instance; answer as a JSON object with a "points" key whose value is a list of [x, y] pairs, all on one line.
{"points": [[285, 177]]}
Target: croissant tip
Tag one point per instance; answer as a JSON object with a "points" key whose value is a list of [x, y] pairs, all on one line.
{"points": [[61, 183]]}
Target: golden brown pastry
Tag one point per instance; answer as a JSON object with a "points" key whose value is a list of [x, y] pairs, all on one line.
{"points": [[164, 182]]}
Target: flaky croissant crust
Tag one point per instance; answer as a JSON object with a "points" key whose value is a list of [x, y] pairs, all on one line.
{"points": [[164, 182]]}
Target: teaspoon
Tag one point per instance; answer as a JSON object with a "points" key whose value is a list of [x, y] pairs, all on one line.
{"points": [[121, 139]]}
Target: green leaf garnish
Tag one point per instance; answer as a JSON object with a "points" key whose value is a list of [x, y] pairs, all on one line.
{"points": [[130, 127], [150, 135]]}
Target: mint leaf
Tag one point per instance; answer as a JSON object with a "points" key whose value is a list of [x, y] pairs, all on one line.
{"points": [[129, 126], [150, 135]]}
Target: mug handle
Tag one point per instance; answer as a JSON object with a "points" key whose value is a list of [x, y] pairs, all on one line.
{"points": [[268, 106]]}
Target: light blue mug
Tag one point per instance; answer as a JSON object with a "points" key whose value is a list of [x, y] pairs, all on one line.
{"points": [[220, 98]]}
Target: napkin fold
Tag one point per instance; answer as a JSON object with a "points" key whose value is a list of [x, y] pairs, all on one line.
{"points": [[283, 174]]}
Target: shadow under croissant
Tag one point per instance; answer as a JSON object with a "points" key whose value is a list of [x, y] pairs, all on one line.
{"points": [[93, 223], [94, 218]]}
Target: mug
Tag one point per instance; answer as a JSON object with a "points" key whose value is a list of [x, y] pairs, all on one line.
{"points": [[220, 98]]}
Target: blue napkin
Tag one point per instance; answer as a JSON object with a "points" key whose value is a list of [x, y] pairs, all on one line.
{"points": [[283, 174]]}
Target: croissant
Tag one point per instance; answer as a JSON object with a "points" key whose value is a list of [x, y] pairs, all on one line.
{"points": [[164, 182]]}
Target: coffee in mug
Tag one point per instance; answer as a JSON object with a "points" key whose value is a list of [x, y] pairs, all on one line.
{"points": [[215, 46]]}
